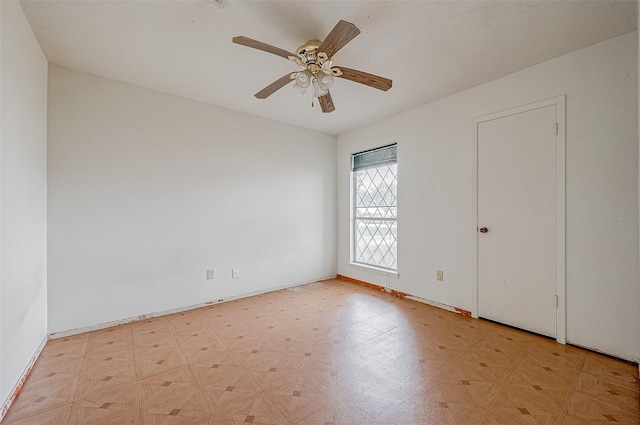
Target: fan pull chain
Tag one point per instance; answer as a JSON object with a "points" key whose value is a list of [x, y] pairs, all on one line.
{"points": [[312, 103]]}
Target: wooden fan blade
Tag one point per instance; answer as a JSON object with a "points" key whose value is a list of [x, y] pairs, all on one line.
{"points": [[365, 78], [326, 103], [255, 44], [340, 35], [274, 87]]}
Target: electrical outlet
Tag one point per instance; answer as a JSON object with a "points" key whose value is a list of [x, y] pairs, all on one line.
{"points": [[440, 275], [235, 273], [211, 273]]}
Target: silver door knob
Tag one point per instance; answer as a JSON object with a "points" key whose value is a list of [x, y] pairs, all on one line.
{"points": [[483, 230]]}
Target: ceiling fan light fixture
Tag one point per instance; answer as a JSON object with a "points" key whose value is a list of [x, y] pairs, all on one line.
{"points": [[300, 89], [318, 91], [303, 78], [325, 79]]}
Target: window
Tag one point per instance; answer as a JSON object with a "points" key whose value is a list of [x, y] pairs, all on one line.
{"points": [[375, 208]]}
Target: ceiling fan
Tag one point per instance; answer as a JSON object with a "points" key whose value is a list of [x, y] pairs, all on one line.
{"points": [[315, 58]]}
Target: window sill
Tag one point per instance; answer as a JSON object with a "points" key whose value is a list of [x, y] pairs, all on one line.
{"points": [[376, 270]]}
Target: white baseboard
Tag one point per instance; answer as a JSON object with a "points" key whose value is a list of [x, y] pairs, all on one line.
{"points": [[16, 389], [631, 359], [432, 303], [91, 328]]}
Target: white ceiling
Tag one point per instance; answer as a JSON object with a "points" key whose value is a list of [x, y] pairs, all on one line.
{"points": [[430, 49]]}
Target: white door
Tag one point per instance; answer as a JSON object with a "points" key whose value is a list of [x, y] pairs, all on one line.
{"points": [[517, 206]]}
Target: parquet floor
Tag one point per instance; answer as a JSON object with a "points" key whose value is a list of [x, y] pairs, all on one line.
{"points": [[325, 353]]}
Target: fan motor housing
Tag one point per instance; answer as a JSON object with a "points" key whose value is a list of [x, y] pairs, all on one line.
{"points": [[309, 54], [308, 48]]}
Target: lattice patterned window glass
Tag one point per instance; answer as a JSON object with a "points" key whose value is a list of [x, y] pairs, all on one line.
{"points": [[375, 208]]}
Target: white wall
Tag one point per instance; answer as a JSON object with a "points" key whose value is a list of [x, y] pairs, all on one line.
{"points": [[148, 190], [23, 196], [434, 165]]}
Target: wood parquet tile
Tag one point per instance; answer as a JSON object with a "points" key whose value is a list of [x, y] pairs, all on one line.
{"points": [[330, 353]]}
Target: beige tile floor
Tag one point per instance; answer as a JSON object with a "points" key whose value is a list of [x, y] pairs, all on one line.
{"points": [[326, 353]]}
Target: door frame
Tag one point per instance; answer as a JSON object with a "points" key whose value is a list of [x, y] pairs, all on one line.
{"points": [[560, 103]]}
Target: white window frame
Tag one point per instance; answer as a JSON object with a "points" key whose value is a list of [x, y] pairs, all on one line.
{"points": [[354, 218]]}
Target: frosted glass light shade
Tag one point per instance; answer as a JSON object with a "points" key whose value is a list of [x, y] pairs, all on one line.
{"points": [[300, 89], [325, 79], [303, 78], [318, 90]]}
